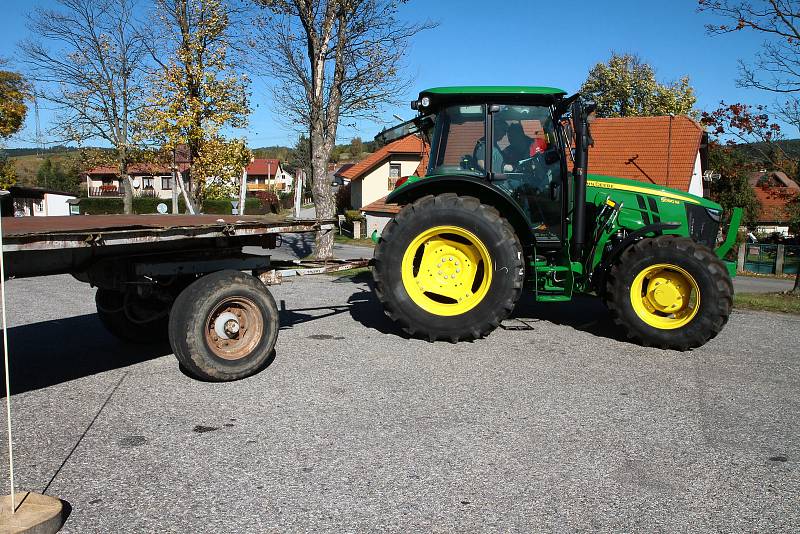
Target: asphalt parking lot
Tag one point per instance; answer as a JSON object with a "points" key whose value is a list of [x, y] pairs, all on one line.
{"points": [[352, 427]]}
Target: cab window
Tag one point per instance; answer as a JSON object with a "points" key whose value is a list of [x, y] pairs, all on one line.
{"points": [[456, 138]]}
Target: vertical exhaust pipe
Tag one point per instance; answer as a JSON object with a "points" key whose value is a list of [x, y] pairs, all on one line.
{"points": [[583, 139]]}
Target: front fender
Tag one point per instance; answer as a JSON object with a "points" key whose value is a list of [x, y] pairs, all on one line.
{"points": [[479, 188]]}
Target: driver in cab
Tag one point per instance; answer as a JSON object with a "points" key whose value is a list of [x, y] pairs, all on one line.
{"points": [[479, 154]]}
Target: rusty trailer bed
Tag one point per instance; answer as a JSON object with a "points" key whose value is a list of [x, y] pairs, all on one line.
{"points": [[35, 246]]}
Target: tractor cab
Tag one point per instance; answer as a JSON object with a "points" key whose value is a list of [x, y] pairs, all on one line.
{"points": [[524, 160], [523, 157]]}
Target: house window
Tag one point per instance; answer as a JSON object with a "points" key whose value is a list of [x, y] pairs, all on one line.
{"points": [[166, 182], [394, 174], [147, 182]]}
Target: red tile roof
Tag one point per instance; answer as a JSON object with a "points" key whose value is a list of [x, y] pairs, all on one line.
{"points": [[381, 206], [263, 166], [774, 190], [340, 171], [637, 148], [135, 168], [411, 144]]}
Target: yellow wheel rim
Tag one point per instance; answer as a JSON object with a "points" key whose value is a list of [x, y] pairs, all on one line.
{"points": [[665, 296], [447, 270]]}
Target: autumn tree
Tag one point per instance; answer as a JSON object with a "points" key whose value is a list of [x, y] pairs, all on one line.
{"points": [[197, 91], [356, 147], [732, 188], [8, 174], [731, 127], [332, 60], [54, 175], [13, 92], [625, 86], [775, 67], [86, 59]]}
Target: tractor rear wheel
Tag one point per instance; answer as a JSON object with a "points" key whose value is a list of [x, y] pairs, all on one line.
{"points": [[448, 267], [669, 292]]}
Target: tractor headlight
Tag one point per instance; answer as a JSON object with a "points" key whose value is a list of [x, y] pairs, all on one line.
{"points": [[425, 102]]}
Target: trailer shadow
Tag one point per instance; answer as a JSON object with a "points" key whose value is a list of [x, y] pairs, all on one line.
{"points": [[52, 352], [363, 306]]}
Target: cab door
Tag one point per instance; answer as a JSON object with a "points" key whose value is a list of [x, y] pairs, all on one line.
{"points": [[530, 167]]}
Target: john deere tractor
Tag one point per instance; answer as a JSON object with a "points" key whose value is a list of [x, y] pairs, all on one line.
{"points": [[507, 206]]}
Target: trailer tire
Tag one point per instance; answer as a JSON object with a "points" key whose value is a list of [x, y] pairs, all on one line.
{"points": [[111, 311], [224, 326], [669, 292], [448, 267]]}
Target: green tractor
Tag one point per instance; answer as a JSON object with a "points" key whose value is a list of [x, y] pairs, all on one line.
{"points": [[490, 219]]}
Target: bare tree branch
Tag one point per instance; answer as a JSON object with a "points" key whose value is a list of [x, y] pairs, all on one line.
{"points": [[87, 60], [332, 60]]}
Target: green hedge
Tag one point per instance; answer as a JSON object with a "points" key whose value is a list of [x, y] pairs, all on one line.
{"points": [[353, 215], [113, 206], [252, 206]]}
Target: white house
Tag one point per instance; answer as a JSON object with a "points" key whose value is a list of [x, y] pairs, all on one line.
{"points": [[36, 202], [376, 175], [150, 180], [264, 174]]}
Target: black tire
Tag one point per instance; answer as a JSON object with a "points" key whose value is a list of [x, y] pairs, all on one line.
{"points": [[463, 212], [197, 309], [709, 273], [120, 322]]}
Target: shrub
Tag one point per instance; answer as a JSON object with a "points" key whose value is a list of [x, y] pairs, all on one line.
{"points": [[343, 199], [252, 206], [113, 206], [353, 215]]}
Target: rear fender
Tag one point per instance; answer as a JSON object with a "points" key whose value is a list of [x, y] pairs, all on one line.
{"points": [[479, 188]]}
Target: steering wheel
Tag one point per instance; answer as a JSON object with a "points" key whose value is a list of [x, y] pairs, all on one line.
{"points": [[530, 166]]}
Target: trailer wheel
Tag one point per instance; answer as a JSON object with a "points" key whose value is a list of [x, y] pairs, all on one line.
{"points": [[224, 326], [669, 292], [448, 267], [142, 321]]}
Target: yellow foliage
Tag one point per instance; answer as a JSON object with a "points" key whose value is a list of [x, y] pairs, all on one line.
{"points": [[13, 92], [198, 91]]}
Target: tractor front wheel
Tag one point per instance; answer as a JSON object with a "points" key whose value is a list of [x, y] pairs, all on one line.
{"points": [[669, 292], [448, 267]]}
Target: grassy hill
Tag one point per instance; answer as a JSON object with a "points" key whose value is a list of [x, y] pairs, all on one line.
{"points": [[28, 165]]}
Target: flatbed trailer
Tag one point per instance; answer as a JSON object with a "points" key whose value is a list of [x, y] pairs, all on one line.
{"points": [[175, 277]]}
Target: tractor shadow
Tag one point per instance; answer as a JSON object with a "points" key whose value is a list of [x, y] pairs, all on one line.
{"points": [[584, 312], [47, 353]]}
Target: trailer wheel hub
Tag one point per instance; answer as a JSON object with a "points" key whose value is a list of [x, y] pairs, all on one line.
{"points": [[665, 296], [234, 328], [445, 272]]}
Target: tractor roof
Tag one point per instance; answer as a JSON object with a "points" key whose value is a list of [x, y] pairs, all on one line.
{"points": [[490, 90], [481, 93]]}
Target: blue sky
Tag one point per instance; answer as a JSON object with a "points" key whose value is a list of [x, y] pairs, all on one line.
{"points": [[516, 42]]}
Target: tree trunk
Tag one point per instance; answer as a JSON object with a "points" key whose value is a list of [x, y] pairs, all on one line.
{"points": [[324, 204], [796, 288], [125, 183]]}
